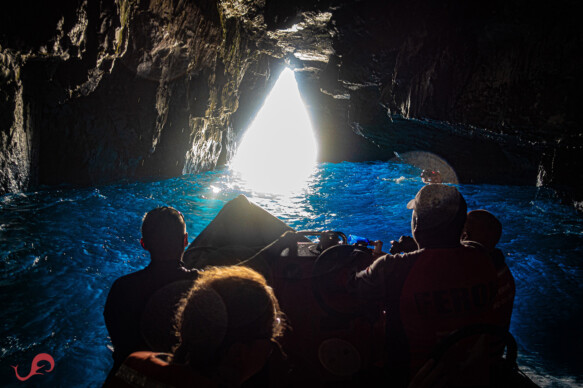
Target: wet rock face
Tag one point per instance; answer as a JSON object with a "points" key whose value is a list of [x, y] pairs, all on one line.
{"points": [[126, 90], [499, 75], [100, 90]]}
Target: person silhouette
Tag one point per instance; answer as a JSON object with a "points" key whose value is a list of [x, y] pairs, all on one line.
{"points": [[432, 291], [164, 236], [484, 230], [228, 323]]}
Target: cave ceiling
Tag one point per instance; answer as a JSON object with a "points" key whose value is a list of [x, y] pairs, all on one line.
{"points": [[94, 91]]}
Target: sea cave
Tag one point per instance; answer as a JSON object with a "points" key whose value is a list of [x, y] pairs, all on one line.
{"points": [[112, 107]]}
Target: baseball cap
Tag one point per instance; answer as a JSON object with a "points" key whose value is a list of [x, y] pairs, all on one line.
{"points": [[436, 205]]}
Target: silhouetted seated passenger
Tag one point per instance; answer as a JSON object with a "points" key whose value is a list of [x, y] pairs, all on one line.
{"points": [[227, 325], [428, 293], [164, 237], [483, 228], [452, 356]]}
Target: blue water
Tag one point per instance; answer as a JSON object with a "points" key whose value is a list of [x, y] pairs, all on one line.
{"points": [[62, 248]]}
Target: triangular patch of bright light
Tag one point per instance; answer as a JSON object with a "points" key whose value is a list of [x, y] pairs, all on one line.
{"points": [[278, 152]]}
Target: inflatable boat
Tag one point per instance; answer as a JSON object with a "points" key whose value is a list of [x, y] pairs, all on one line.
{"points": [[333, 336], [333, 339]]}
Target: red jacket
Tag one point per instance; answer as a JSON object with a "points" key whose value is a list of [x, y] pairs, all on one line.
{"points": [[427, 295]]}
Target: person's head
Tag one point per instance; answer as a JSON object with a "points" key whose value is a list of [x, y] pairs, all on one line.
{"points": [[439, 214], [164, 233], [483, 227], [229, 319]]}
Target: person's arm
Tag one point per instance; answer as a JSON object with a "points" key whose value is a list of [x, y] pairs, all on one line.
{"points": [[116, 315], [405, 244], [262, 260], [383, 278], [369, 283], [109, 314]]}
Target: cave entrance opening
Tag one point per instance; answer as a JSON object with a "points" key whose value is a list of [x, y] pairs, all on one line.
{"points": [[278, 152]]}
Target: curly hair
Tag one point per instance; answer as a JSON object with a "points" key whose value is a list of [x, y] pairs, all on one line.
{"points": [[225, 305]]}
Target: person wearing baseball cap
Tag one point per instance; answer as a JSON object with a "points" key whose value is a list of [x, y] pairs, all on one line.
{"points": [[441, 210], [439, 215], [430, 292]]}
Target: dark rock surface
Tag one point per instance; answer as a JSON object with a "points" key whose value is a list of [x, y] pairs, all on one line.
{"points": [[100, 90]]}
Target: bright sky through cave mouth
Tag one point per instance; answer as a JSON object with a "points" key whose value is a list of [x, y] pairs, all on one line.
{"points": [[278, 152]]}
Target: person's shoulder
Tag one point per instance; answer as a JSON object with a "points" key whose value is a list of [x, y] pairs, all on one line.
{"points": [[401, 259], [124, 286], [181, 273], [496, 256], [408, 256], [469, 244], [188, 272], [476, 249], [498, 259], [129, 278]]}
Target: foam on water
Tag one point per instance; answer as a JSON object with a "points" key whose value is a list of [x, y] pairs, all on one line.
{"points": [[61, 249]]}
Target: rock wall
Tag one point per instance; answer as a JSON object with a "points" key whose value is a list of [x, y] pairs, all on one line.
{"points": [[94, 91], [127, 90], [490, 88]]}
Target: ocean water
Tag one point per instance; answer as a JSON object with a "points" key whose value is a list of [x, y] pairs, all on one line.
{"points": [[61, 249]]}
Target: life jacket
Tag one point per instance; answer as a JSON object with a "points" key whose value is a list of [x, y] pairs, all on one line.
{"points": [[445, 290]]}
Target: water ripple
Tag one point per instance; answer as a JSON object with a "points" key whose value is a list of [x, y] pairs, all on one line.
{"points": [[61, 249]]}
